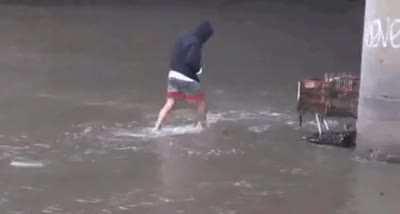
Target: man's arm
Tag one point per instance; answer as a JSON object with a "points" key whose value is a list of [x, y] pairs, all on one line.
{"points": [[193, 58]]}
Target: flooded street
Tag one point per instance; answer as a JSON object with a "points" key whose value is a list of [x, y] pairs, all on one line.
{"points": [[81, 87]]}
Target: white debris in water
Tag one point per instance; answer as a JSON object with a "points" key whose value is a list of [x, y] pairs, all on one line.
{"points": [[215, 152], [129, 134], [133, 148], [88, 201], [257, 193], [298, 171], [27, 164], [165, 199], [190, 152], [243, 183], [53, 209], [290, 122], [7, 147], [87, 130], [283, 170], [141, 204], [29, 188], [259, 129], [123, 208], [275, 114]]}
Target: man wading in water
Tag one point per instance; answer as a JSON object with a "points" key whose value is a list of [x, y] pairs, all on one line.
{"points": [[183, 79]]}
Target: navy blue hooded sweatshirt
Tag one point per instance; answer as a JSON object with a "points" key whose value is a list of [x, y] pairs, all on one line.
{"points": [[186, 55]]}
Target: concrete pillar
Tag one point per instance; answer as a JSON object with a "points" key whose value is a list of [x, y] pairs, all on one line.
{"points": [[379, 103]]}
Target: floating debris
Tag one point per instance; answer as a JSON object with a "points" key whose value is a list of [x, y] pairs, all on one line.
{"points": [[27, 164]]}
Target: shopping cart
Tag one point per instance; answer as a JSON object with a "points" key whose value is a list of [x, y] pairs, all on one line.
{"points": [[335, 96]]}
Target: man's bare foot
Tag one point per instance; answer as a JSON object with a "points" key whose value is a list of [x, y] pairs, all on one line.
{"points": [[157, 127]]}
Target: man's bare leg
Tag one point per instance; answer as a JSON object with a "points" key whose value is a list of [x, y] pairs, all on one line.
{"points": [[202, 113], [169, 104]]}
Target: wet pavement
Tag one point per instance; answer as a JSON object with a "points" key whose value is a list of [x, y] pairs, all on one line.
{"points": [[81, 86]]}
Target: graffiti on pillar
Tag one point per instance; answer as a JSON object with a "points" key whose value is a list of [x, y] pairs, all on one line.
{"points": [[382, 33]]}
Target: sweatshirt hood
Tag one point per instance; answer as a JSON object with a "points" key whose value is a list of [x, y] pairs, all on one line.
{"points": [[204, 31]]}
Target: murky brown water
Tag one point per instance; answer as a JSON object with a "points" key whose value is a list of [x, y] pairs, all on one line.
{"points": [[81, 86]]}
